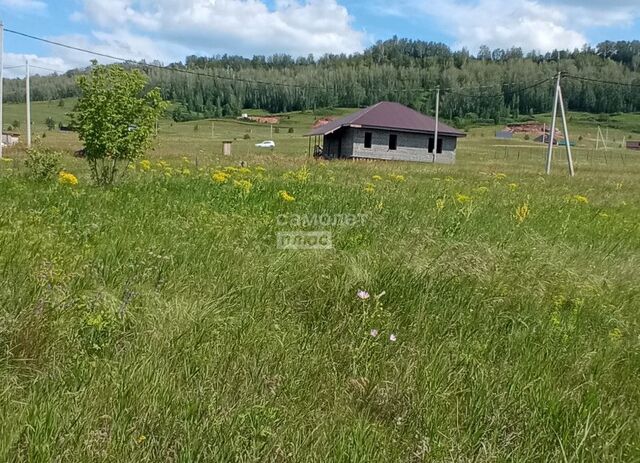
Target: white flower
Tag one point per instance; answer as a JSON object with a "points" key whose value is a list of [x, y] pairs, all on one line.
{"points": [[374, 333], [393, 338], [363, 295]]}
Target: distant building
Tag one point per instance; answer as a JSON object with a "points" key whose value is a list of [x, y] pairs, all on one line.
{"points": [[388, 131], [504, 135], [633, 145], [10, 139]]}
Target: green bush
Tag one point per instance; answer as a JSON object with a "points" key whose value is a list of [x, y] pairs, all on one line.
{"points": [[291, 130], [246, 136], [43, 163]]}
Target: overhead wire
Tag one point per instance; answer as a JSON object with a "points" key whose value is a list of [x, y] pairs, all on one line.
{"points": [[158, 66]]}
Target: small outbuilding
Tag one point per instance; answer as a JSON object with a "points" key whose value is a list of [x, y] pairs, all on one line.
{"points": [[504, 135], [388, 131], [633, 145], [10, 139]]}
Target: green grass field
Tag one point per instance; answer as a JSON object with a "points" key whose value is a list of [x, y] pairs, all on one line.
{"points": [[159, 320]]}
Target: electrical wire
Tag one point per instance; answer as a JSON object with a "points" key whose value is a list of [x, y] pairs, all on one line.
{"points": [[599, 81], [158, 66]]}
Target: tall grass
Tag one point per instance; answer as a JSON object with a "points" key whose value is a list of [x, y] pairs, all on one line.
{"points": [[158, 320]]}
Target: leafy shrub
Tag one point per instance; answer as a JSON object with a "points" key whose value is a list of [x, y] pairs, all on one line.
{"points": [[291, 130], [527, 137], [246, 136], [43, 163]]}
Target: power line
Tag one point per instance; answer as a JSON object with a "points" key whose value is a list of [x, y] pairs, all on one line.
{"points": [[509, 93], [45, 69], [13, 67], [600, 81], [158, 66]]}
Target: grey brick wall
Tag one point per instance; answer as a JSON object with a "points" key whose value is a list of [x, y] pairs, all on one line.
{"points": [[411, 147]]}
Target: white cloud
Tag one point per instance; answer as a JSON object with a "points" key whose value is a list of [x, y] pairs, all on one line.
{"points": [[230, 26], [29, 5], [14, 63], [542, 25]]}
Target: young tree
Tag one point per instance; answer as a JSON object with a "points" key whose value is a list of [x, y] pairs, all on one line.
{"points": [[115, 118], [51, 124]]}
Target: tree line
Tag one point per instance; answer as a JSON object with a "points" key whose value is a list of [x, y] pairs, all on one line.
{"points": [[492, 85]]}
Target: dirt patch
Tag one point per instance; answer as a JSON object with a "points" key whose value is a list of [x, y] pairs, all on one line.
{"points": [[264, 120], [323, 121]]}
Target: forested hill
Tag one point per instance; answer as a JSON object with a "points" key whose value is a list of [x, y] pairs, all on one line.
{"points": [[489, 85]]}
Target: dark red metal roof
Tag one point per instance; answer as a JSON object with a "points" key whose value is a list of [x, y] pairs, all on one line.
{"points": [[389, 116]]}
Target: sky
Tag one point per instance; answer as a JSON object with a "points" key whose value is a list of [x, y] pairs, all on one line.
{"points": [[169, 30]]}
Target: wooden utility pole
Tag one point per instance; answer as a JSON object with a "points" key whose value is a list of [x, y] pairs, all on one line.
{"points": [[1, 78], [559, 101], [435, 135], [28, 96]]}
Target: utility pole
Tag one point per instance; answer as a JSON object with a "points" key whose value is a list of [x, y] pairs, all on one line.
{"points": [[435, 135], [559, 101], [28, 94], [1, 79]]}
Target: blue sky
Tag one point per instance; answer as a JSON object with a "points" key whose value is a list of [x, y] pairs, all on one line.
{"points": [[169, 30]]}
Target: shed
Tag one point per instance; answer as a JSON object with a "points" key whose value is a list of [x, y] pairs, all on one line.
{"points": [[633, 145], [10, 139], [504, 135], [226, 148], [388, 131]]}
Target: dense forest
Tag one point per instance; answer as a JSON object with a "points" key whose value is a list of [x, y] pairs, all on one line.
{"points": [[490, 85]]}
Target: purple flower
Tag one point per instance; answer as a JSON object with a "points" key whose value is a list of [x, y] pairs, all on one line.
{"points": [[393, 338], [363, 295], [374, 333]]}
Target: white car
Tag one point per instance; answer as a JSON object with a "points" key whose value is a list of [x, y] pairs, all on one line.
{"points": [[266, 144]]}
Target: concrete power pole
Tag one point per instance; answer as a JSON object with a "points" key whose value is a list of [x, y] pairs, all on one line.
{"points": [[1, 78], [28, 95], [435, 135], [559, 101]]}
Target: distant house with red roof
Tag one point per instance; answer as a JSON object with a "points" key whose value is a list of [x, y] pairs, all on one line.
{"points": [[388, 131]]}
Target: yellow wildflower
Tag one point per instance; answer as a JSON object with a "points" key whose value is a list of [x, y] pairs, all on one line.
{"points": [[603, 215], [286, 197], [243, 185], [522, 213], [615, 335], [260, 169], [141, 439], [463, 199], [231, 169], [376, 178], [163, 164], [619, 186], [397, 178], [186, 172], [67, 178], [145, 165], [581, 199], [440, 204], [244, 170], [220, 177], [369, 188], [513, 186], [500, 176]]}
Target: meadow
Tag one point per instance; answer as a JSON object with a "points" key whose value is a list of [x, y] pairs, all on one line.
{"points": [[467, 313]]}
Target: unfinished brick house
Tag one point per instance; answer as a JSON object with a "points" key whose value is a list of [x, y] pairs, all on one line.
{"points": [[388, 131]]}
